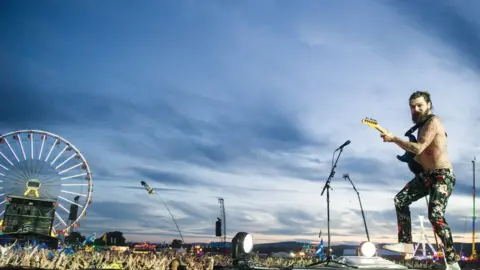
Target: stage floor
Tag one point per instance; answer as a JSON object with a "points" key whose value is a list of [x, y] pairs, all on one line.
{"points": [[352, 262]]}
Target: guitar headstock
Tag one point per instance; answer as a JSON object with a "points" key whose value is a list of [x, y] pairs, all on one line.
{"points": [[370, 122]]}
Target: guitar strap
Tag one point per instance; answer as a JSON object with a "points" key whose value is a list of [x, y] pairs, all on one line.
{"points": [[418, 125]]}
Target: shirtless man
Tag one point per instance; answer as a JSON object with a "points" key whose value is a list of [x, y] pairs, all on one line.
{"points": [[437, 180]]}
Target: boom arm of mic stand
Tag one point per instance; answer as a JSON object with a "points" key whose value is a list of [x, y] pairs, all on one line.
{"points": [[332, 171], [346, 176]]}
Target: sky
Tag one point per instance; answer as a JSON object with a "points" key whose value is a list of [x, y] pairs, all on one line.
{"points": [[244, 100]]}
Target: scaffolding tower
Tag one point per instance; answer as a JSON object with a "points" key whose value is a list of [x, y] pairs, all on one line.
{"points": [[224, 223], [473, 256]]}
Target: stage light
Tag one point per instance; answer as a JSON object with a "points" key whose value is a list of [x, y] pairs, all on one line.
{"points": [[368, 249], [242, 244]]}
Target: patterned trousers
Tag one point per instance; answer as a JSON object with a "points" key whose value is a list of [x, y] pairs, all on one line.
{"points": [[438, 184]]}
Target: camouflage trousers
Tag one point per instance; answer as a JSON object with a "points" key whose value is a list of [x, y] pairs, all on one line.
{"points": [[438, 184]]}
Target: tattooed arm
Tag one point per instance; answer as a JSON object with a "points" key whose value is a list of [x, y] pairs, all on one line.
{"points": [[427, 134]]}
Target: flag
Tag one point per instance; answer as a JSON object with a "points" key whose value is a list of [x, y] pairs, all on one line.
{"points": [[90, 239], [320, 252]]}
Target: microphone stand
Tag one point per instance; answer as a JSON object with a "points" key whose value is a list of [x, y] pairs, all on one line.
{"points": [[327, 188], [347, 177]]}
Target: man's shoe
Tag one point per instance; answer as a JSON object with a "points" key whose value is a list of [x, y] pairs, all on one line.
{"points": [[400, 247]]}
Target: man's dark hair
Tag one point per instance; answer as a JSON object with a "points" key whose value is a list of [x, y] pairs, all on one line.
{"points": [[423, 94]]}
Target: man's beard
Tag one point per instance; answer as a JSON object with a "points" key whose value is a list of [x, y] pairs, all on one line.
{"points": [[416, 118]]}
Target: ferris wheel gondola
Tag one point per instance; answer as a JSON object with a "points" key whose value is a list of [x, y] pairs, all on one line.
{"points": [[41, 165]]}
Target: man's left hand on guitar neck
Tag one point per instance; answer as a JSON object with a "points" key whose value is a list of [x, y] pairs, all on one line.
{"points": [[426, 137], [407, 146], [388, 137]]}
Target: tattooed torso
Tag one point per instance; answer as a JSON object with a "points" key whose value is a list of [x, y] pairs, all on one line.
{"points": [[435, 156]]}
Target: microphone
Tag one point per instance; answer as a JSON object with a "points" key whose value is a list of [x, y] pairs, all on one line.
{"points": [[343, 145]]}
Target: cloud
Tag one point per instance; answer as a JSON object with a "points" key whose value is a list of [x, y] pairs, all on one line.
{"points": [[222, 141], [165, 177], [463, 189], [161, 190], [52, 109], [117, 210], [448, 23]]}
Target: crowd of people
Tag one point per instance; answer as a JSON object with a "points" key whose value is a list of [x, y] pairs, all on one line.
{"points": [[48, 259], [45, 259]]}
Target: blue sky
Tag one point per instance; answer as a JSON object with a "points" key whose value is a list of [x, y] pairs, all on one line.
{"points": [[244, 100]]}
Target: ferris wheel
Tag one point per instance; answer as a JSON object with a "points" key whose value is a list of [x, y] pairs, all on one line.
{"points": [[41, 165]]}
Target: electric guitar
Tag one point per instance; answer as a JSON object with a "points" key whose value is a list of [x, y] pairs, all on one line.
{"points": [[407, 157]]}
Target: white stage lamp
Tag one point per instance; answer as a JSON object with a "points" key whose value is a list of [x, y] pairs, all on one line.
{"points": [[368, 249], [242, 244]]}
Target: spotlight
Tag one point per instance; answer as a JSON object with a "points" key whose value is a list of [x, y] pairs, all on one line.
{"points": [[368, 249], [242, 244]]}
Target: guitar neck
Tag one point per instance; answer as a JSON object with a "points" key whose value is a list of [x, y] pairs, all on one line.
{"points": [[374, 124], [382, 130]]}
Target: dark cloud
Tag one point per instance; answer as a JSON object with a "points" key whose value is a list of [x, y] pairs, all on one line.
{"points": [[193, 210], [132, 218], [239, 130], [290, 222], [245, 192], [177, 179], [361, 170], [140, 223], [282, 230], [294, 218], [274, 168], [443, 21], [360, 189], [378, 222], [189, 184], [375, 170], [158, 189], [220, 143], [115, 215], [461, 188], [463, 178], [270, 190], [64, 102], [166, 235], [119, 211], [461, 226], [49, 108], [167, 178]]}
